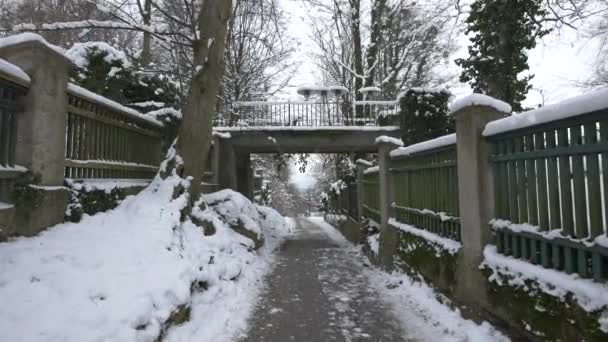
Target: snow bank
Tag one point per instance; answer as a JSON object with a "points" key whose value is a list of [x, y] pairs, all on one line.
{"points": [[386, 139], [480, 100], [13, 71], [442, 141], [118, 275], [29, 37], [440, 243], [591, 296], [572, 107]]}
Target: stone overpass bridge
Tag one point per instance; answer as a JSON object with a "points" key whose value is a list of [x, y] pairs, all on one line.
{"points": [[296, 127]]}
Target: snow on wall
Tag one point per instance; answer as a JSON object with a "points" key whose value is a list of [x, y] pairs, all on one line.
{"points": [[13, 71], [591, 296], [442, 141], [440, 243], [386, 139], [575, 106], [29, 37], [480, 100]]}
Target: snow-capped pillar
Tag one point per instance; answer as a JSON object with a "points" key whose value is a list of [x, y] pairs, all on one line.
{"points": [[475, 184], [42, 125], [388, 236], [361, 166]]}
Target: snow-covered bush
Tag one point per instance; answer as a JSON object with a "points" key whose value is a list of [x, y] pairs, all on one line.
{"points": [[114, 74]]}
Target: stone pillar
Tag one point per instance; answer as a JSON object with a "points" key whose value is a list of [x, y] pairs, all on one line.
{"points": [[41, 134], [226, 165], [361, 166], [388, 235], [42, 125], [476, 196], [244, 176]]}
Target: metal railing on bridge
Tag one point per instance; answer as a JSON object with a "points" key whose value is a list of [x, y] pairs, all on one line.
{"points": [[308, 113]]}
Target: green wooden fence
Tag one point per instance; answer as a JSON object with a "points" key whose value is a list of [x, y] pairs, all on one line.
{"points": [[554, 176], [104, 142], [426, 190], [371, 195]]}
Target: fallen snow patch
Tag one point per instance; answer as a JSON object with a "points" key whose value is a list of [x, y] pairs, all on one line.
{"points": [[440, 243], [374, 243]]}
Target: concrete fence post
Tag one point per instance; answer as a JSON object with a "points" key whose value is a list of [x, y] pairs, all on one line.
{"points": [[475, 195], [388, 236], [41, 134]]}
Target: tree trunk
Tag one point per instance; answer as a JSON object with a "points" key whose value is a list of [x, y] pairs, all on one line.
{"points": [[355, 24], [194, 138], [378, 7], [146, 53]]}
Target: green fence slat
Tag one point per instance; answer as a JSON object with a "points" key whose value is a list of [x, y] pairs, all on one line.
{"points": [[525, 248], [597, 266], [568, 259], [532, 186], [581, 260], [578, 177], [534, 251], [512, 186], [544, 254], [555, 257], [565, 186], [516, 247], [604, 139], [553, 183], [522, 196], [543, 212], [594, 200]]}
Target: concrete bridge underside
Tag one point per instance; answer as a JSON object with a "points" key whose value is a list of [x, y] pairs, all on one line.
{"points": [[232, 155]]}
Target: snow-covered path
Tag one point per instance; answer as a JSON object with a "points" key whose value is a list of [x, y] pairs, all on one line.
{"points": [[323, 289], [318, 292]]}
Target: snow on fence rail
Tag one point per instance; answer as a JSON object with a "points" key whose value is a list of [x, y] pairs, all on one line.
{"points": [[426, 186], [551, 185], [306, 113], [108, 141]]}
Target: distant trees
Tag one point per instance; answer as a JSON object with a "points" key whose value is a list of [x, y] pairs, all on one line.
{"points": [[503, 31], [395, 45]]}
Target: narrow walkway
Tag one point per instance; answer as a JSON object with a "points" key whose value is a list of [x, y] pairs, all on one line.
{"points": [[317, 292]]}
